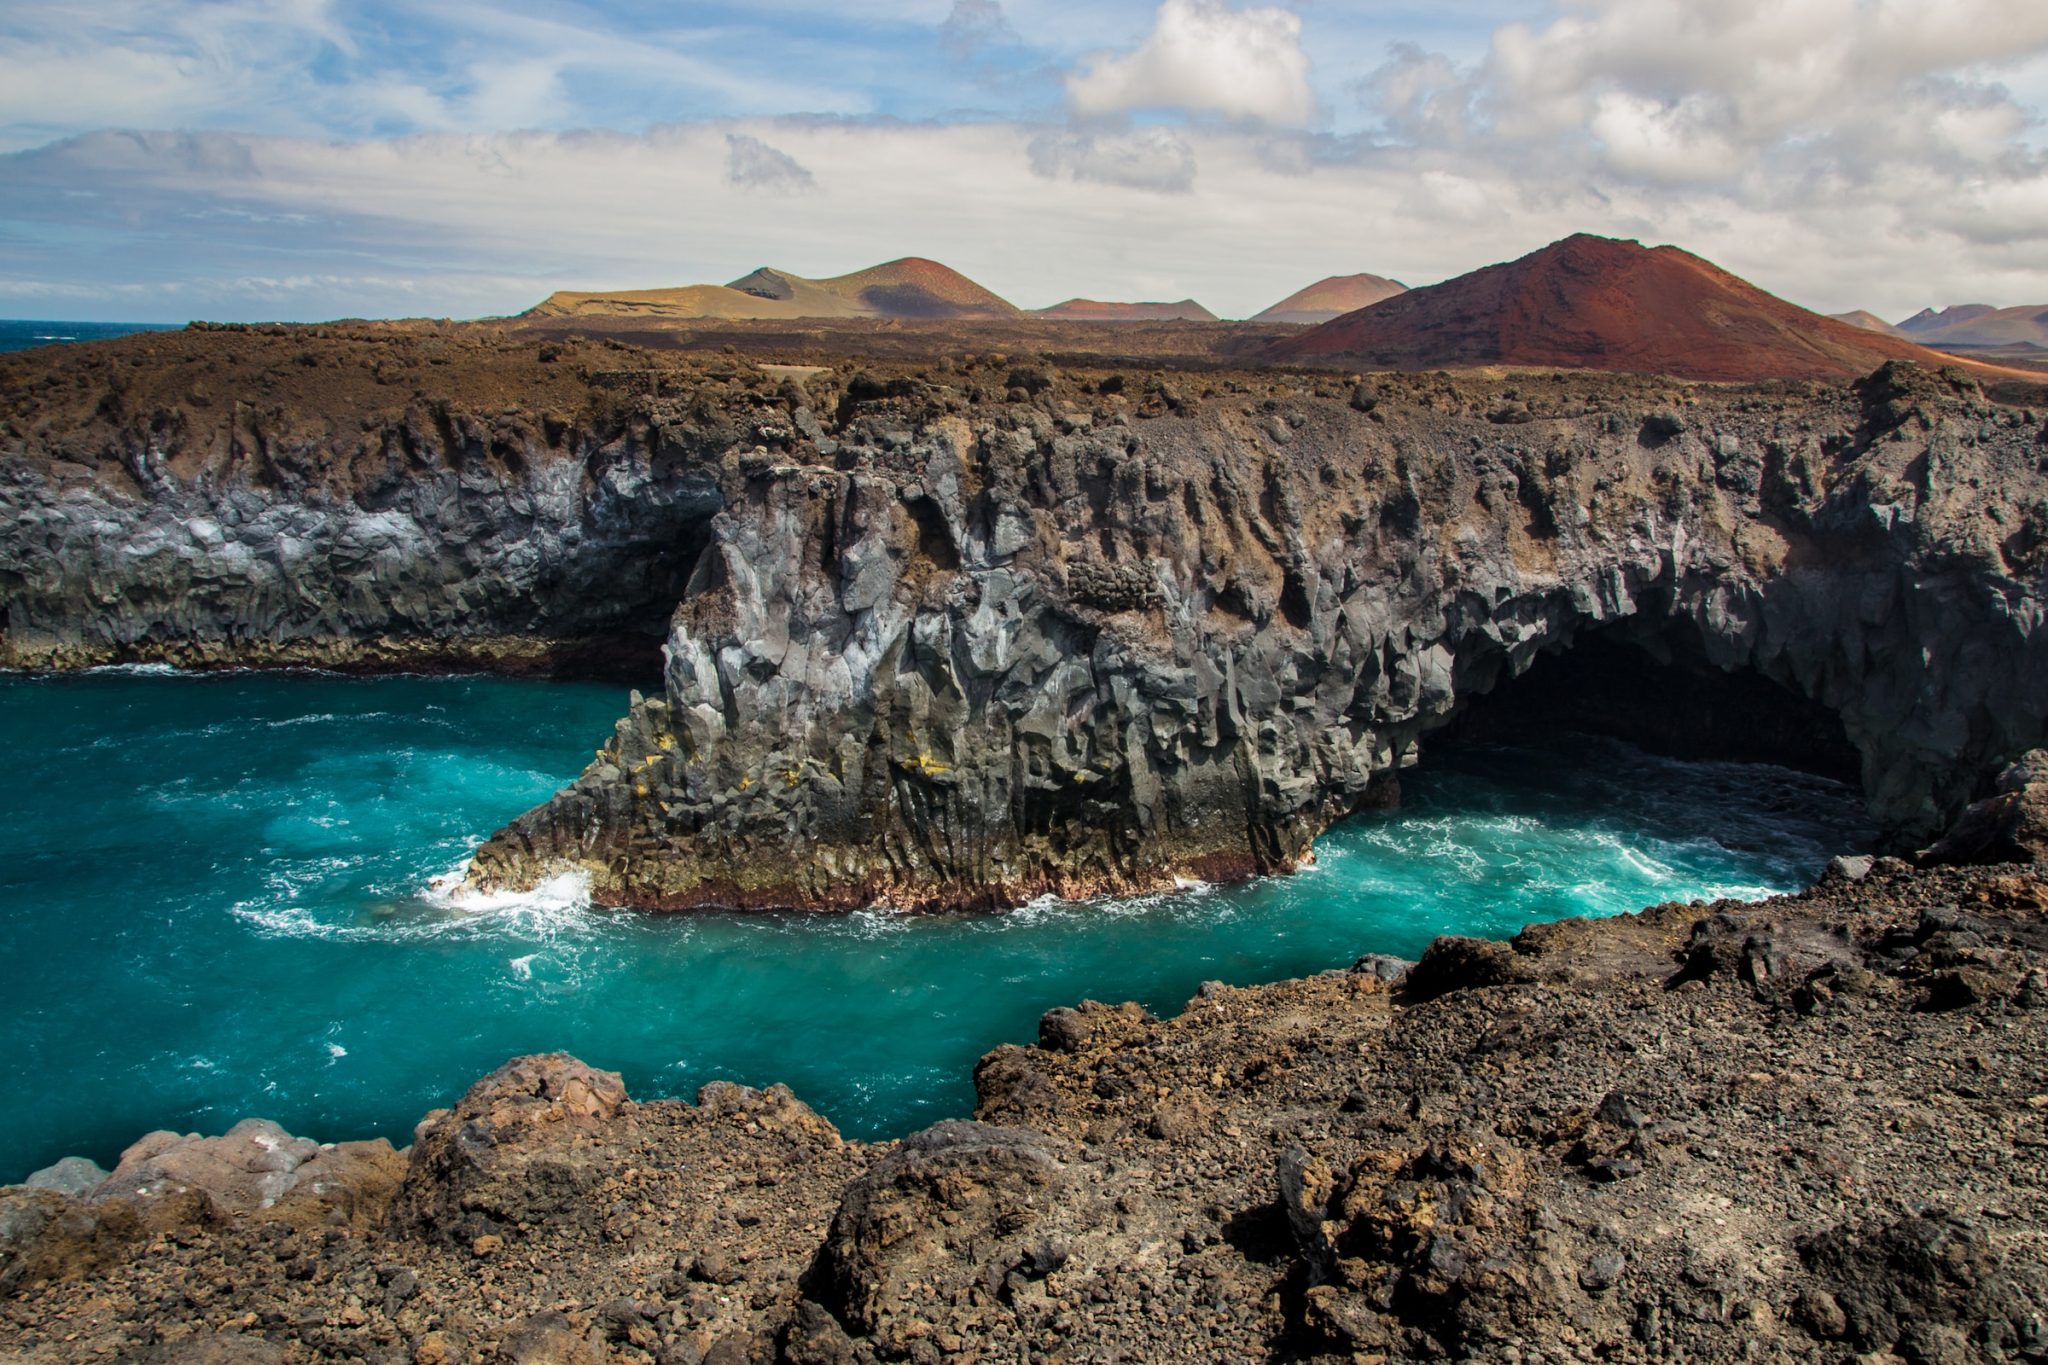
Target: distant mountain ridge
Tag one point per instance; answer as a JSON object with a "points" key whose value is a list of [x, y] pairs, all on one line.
{"points": [[1331, 298], [1591, 302], [1092, 310], [910, 288], [1979, 324]]}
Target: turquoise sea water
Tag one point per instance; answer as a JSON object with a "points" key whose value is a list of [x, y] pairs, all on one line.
{"points": [[213, 905], [19, 334]]}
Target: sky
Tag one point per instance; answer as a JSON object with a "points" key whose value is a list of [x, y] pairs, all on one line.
{"points": [[308, 159]]}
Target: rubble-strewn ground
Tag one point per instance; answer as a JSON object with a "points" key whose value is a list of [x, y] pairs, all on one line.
{"points": [[1812, 1128]]}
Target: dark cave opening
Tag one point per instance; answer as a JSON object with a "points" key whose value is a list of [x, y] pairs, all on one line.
{"points": [[1657, 689], [615, 609]]}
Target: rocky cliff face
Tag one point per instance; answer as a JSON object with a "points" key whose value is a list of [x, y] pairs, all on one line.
{"points": [[1103, 635], [965, 634], [311, 498]]}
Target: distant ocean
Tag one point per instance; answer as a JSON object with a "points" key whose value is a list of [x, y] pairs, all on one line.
{"points": [[17, 334]]}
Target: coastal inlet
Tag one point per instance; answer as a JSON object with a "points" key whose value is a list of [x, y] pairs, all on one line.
{"points": [[217, 904]]}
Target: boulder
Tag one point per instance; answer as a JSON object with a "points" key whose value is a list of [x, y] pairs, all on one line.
{"points": [[2009, 826], [346, 1184], [246, 1169], [954, 1207], [521, 1147], [72, 1175], [215, 1348], [1919, 1285], [45, 1235], [548, 1339], [1452, 963]]}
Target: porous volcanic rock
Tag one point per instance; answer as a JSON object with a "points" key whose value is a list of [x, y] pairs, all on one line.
{"points": [[524, 1143]]}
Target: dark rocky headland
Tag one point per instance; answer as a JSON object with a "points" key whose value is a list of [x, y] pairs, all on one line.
{"points": [[954, 633], [962, 633]]}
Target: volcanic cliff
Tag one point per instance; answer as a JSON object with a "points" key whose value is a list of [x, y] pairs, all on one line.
{"points": [[934, 659], [963, 633]]}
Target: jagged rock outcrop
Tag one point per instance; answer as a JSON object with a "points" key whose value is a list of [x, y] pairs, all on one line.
{"points": [[1080, 644], [964, 634], [958, 1213], [515, 1151]]}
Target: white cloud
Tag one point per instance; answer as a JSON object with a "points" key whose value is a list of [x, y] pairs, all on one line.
{"points": [[1419, 96], [1704, 90], [752, 164], [1674, 143], [1148, 159], [369, 67], [1204, 57], [469, 225]]}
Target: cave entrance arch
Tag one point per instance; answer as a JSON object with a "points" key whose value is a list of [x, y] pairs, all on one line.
{"points": [[1651, 684]]}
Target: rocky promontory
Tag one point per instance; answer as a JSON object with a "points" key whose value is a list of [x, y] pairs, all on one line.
{"points": [[962, 632], [1097, 635], [1806, 1129]]}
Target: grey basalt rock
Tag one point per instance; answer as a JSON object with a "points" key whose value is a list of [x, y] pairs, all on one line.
{"points": [[947, 645], [74, 1175], [1013, 655]]}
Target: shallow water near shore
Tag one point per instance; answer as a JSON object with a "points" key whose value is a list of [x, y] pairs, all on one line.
{"points": [[215, 902]]}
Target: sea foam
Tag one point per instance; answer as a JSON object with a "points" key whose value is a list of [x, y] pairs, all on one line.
{"points": [[557, 905]]}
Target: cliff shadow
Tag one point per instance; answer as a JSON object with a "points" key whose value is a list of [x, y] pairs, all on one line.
{"points": [[1652, 685]]}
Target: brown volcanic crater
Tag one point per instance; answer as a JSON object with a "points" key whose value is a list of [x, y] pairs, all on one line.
{"points": [[1596, 303], [910, 289], [1332, 298]]}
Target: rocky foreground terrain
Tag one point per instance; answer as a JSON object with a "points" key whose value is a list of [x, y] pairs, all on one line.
{"points": [[1814, 1128]]}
